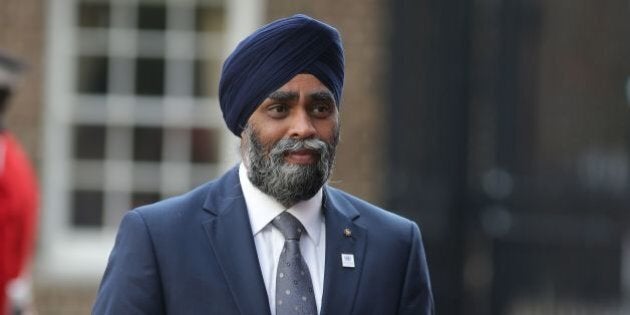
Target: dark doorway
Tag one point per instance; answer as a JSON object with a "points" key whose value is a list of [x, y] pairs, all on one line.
{"points": [[509, 142]]}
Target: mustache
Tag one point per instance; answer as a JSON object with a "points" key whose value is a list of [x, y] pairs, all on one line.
{"points": [[290, 145]]}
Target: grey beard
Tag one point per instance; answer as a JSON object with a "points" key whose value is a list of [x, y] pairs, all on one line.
{"points": [[287, 183]]}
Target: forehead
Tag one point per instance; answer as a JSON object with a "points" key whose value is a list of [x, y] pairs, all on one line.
{"points": [[304, 82]]}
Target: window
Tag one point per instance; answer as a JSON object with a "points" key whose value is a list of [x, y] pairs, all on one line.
{"points": [[132, 115]]}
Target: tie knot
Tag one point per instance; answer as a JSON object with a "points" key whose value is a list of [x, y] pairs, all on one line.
{"points": [[289, 226]]}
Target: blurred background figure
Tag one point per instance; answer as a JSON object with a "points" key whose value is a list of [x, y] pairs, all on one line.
{"points": [[18, 204]]}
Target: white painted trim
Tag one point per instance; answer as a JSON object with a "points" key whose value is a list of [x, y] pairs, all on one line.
{"points": [[56, 135], [68, 254]]}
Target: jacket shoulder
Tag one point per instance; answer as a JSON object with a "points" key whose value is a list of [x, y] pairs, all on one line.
{"points": [[368, 213], [193, 200], [175, 205]]}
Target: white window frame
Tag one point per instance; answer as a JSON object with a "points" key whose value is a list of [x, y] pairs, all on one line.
{"points": [[80, 255]]}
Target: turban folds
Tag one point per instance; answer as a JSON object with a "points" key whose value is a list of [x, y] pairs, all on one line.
{"points": [[270, 57]]}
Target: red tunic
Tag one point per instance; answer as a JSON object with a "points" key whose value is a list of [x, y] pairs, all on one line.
{"points": [[18, 211]]}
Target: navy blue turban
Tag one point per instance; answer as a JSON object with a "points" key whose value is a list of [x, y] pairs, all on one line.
{"points": [[272, 56]]}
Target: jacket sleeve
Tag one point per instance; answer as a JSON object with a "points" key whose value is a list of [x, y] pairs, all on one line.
{"points": [[131, 283], [417, 297]]}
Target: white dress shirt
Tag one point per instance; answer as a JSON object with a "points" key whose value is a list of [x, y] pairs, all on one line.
{"points": [[262, 209]]}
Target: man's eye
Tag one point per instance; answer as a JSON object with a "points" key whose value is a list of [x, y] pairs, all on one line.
{"points": [[322, 110], [278, 110]]}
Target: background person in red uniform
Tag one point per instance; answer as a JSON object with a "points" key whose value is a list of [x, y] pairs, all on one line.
{"points": [[18, 196]]}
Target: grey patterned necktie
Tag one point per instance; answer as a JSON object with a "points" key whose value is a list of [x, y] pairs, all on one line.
{"points": [[294, 289]]}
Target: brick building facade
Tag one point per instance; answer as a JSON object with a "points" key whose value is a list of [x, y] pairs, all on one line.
{"points": [[24, 33]]}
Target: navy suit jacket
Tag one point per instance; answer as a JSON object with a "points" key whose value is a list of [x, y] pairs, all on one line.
{"points": [[195, 254]]}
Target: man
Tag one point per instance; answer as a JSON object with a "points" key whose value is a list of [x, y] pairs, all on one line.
{"points": [[269, 236], [18, 200]]}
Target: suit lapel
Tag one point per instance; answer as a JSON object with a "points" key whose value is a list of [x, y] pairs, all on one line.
{"points": [[230, 236], [341, 283]]}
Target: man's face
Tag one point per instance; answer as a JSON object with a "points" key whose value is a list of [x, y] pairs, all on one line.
{"points": [[289, 143], [303, 108]]}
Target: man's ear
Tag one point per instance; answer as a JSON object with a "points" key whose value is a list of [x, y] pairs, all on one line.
{"points": [[244, 145]]}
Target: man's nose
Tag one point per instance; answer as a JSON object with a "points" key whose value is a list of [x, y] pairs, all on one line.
{"points": [[302, 126]]}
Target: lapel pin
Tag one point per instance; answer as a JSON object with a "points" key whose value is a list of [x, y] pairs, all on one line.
{"points": [[347, 232], [347, 260]]}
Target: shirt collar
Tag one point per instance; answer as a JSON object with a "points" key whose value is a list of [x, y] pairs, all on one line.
{"points": [[263, 208]]}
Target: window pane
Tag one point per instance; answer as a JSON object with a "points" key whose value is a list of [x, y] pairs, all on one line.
{"points": [[210, 19], [204, 145], [147, 144], [89, 142], [92, 76], [202, 174], [152, 17], [87, 210], [149, 76], [144, 198], [94, 15]]}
